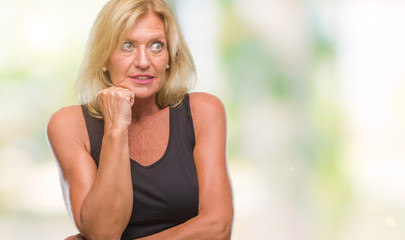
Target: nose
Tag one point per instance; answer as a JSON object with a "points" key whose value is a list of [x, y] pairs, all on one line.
{"points": [[141, 59]]}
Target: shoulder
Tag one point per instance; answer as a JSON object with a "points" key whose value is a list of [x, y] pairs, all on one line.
{"points": [[207, 111], [67, 123], [66, 116], [205, 103]]}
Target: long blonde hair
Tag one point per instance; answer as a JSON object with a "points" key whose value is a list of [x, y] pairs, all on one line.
{"points": [[109, 30]]}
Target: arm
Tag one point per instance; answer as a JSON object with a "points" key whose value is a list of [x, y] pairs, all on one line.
{"points": [[98, 200], [214, 220]]}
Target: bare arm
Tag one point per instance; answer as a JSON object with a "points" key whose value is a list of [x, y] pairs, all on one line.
{"points": [[214, 220], [99, 200]]}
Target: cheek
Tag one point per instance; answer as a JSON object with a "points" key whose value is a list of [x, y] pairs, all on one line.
{"points": [[163, 62], [162, 75], [118, 67]]}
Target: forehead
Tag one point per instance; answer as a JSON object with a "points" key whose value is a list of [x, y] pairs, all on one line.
{"points": [[148, 24]]}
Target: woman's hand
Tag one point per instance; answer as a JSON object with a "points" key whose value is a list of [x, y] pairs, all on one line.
{"points": [[115, 105]]}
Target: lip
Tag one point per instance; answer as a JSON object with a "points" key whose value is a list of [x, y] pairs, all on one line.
{"points": [[148, 78]]}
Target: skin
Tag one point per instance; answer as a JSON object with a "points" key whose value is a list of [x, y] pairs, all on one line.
{"points": [[100, 200]]}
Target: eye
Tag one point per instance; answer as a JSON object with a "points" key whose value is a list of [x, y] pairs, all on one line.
{"points": [[157, 47], [127, 46]]}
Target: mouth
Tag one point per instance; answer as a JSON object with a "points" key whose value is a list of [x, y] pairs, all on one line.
{"points": [[143, 78]]}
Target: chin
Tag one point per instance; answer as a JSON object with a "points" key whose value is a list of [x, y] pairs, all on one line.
{"points": [[144, 93]]}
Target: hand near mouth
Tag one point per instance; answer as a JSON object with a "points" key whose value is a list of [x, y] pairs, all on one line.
{"points": [[115, 105]]}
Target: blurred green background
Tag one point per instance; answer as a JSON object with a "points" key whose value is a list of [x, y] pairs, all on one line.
{"points": [[315, 97]]}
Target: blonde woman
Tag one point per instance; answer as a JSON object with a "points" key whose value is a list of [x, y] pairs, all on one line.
{"points": [[140, 158]]}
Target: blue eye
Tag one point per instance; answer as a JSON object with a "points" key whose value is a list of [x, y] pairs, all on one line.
{"points": [[157, 47], [127, 46]]}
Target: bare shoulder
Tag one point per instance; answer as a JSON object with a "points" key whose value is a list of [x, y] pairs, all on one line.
{"points": [[67, 124], [65, 117], [201, 102], [207, 110]]}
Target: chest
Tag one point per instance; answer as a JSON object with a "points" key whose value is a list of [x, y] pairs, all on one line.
{"points": [[148, 138]]}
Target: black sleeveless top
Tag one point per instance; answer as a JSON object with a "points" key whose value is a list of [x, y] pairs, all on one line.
{"points": [[166, 192]]}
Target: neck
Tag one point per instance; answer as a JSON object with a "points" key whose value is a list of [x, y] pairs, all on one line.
{"points": [[143, 108]]}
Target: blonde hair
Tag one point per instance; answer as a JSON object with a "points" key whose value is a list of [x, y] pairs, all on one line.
{"points": [[109, 30]]}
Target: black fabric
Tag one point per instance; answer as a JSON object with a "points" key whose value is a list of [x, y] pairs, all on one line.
{"points": [[166, 192]]}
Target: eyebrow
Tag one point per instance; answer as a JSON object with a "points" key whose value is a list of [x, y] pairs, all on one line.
{"points": [[149, 37]]}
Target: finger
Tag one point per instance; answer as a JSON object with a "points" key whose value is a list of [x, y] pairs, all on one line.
{"points": [[128, 95], [132, 98]]}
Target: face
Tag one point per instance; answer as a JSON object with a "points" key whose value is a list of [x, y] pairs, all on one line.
{"points": [[139, 64]]}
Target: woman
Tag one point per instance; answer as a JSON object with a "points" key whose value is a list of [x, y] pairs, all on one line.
{"points": [[141, 158]]}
